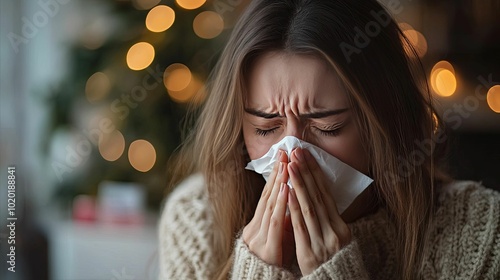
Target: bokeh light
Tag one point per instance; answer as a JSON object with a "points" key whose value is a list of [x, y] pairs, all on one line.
{"points": [[208, 25], [160, 18], [493, 98], [140, 56], [446, 83], [145, 4], [190, 4], [443, 79], [194, 92], [417, 40], [177, 77], [97, 87], [142, 155], [112, 145]]}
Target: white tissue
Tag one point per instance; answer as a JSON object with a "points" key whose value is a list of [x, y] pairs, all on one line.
{"points": [[346, 183]]}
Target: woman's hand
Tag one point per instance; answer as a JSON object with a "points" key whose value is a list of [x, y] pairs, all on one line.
{"points": [[319, 231], [264, 234]]}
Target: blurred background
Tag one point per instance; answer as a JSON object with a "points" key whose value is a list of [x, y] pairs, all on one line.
{"points": [[93, 101]]}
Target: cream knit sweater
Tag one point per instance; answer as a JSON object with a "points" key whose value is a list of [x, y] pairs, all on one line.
{"points": [[465, 240]]}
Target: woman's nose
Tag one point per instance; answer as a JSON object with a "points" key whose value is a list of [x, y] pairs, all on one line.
{"points": [[296, 129]]}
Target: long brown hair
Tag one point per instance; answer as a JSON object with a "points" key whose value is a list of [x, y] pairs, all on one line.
{"points": [[386, 89]]}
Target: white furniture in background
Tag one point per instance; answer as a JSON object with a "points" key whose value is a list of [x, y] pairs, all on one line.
{"points": [[94, 251]]}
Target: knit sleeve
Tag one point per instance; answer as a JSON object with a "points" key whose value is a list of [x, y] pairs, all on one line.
{"points": [[246, 265], [184, 235], [345, 264], [466, 235]]}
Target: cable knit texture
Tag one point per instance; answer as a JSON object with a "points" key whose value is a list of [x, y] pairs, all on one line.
{"points": [[464, 240]]}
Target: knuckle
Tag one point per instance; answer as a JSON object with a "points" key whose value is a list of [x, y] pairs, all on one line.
{"points": [[274, 222], [270, 206], [309, 211], [300, 227], [266, 192], [318, 198]]}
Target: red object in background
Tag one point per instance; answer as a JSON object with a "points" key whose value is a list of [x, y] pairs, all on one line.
{"points": [[84, 208]]}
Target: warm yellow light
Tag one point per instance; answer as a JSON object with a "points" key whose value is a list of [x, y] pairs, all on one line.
{"points": [[190, 4], [145, 4], [176, 77], [445, 65], [405, 26], [445, 81], [160, 18], [111, 145], [142, 155], [97, 87], [438, 67], [493, 98], [208, 25], [194, 92], [140, 56], [417, 40]]}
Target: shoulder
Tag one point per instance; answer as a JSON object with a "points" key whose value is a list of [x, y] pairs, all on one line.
{"points": [[185, 231], [192, 185], [465, 238], [187, 205], [468, 197]]}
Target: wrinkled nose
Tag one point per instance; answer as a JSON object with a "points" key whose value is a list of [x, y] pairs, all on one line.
{"points": [[296, 128]]}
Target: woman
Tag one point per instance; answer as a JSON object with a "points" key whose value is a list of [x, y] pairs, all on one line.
{"points": [[337, 74]]}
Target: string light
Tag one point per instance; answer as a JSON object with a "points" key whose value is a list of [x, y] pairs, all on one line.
{"points": [[208, 25], [493, 98], [417, 40], [142, 155], [176, 77], [112, 145], [190, 4], [97, 87], [443, 79], [140, 56], [160, 18]]}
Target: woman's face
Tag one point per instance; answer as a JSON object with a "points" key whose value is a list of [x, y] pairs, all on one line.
{"points": [[299, 95]]}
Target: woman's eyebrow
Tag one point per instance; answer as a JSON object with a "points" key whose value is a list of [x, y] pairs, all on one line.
{"points": [[313, 115]]}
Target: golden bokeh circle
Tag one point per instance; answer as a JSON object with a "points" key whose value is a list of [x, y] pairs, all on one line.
{"points": [[160, 18], [177, 77], [111, 145], [142, 155], [97, 87], [208, 25], [493, 98], [140, 56], [190, 4]]}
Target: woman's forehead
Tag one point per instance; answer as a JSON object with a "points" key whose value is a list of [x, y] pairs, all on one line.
{"points": [[276, 79]]}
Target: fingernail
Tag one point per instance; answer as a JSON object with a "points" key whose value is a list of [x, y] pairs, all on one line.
{"points": [[299, 154], [280, 153], [280, 170]]}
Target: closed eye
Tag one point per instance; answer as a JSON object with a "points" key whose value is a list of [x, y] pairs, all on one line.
{"points": [[265, 132], [332, 132]]}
